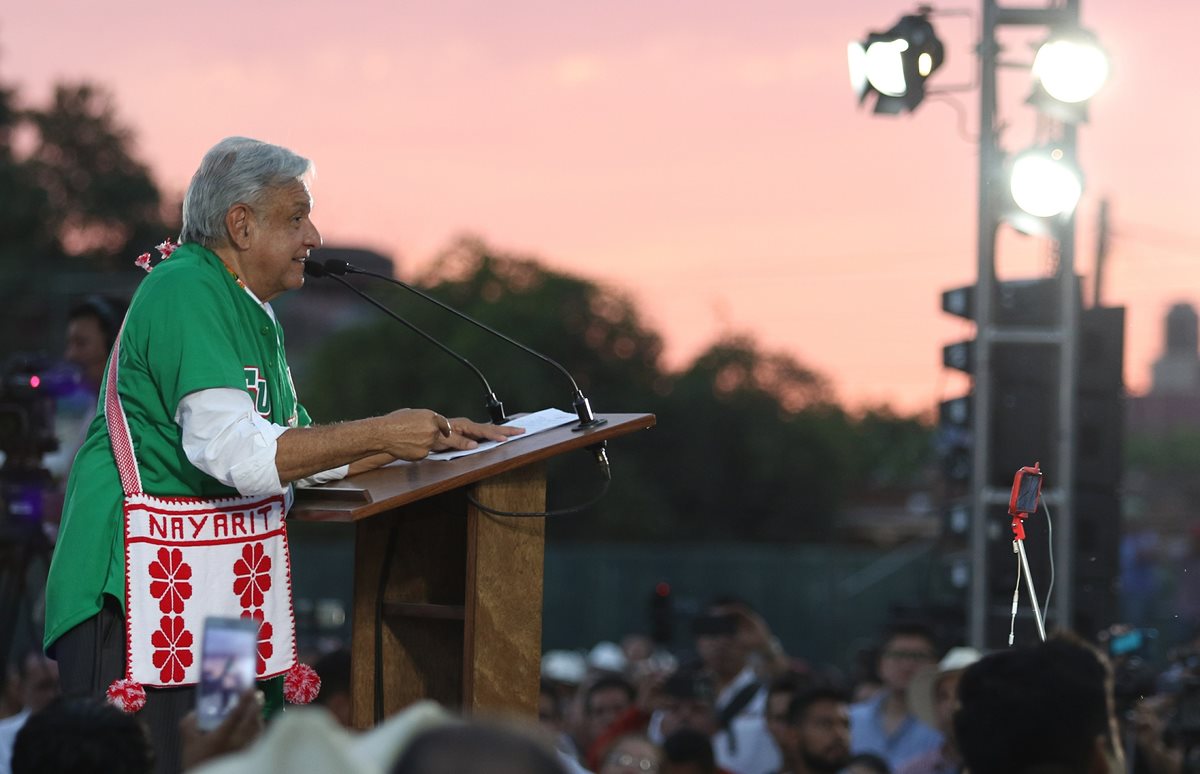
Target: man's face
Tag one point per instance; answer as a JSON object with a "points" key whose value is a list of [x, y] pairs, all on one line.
{"points": [[823, 736], [903, 656], [723, 652], [945, 700], [282, 236], [777, 711], [695, 714], [87, 347], [603, 708]]}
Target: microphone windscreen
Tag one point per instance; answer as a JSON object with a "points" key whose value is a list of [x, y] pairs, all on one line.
{"points": [[334, 266], [314, 269]]}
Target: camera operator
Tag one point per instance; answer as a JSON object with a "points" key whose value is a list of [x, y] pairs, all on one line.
{"points": [[92, 326]]}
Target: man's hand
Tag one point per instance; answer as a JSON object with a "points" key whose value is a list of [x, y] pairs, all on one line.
{"points": [[410, 434], [240, 727], [465, 434]]}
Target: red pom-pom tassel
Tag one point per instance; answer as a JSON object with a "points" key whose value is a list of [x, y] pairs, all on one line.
{"points": [[126, 695], [301, 684]]}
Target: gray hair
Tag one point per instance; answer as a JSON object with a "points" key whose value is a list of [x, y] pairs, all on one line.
{"points": [[237, 169]]}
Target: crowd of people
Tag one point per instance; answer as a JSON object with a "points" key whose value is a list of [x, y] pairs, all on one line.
{"points": [[732, 702]]}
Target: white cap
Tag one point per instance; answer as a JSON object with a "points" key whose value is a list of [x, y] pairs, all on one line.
{"points": [[564, 666], [607, 656], [920, 690]]}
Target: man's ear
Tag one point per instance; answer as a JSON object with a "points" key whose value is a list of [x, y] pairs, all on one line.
{"points": [[239, 222]]}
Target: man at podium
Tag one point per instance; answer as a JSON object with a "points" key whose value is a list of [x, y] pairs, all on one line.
{"points": [[199, 443]]}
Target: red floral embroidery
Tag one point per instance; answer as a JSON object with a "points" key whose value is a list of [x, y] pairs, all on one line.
{"points": [[170, 585], [265, 631], [253, 577], [172, 649]]}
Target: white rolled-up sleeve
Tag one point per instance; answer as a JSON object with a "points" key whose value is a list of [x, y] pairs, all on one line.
{"points": [[226, 438]]}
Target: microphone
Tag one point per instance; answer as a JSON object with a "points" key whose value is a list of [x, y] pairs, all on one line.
{"points": [[583, 408], [494, 406]]}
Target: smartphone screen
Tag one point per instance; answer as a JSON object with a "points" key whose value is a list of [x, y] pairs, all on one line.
{"points": [[228, 655]]}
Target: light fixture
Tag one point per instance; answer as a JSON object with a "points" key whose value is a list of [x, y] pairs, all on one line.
{"points": [[1068, 70], [1044, 184], [895, 64]]}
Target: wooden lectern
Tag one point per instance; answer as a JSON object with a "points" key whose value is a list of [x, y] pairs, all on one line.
{"points": [[448, 598]]}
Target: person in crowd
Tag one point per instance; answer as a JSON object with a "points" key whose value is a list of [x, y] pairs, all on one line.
{"points": [[934, 698], [817, 736], [686, 701], [1045, 708], [211, 411], [604, 701], [92, 326], [632, 754], [737, 651], [885, 723], [82, 736], [688, 751], [34, 683], [477, 748], [779, 698]]}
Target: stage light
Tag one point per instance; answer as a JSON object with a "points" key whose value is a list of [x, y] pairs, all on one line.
{"points": [[895, 64], [1044, 183], [1068, 70], [1071, 67]]}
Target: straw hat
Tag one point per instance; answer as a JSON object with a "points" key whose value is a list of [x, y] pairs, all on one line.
{"points": [[920, 690], [309, 739]]}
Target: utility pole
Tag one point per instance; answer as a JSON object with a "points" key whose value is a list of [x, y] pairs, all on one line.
{"points": [[1101, 251]]}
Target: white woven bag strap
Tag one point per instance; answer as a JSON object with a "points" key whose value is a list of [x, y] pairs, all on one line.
{"points": [[118, 427]]}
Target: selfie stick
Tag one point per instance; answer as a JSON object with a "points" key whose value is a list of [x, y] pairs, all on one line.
{"points": [[1027, 486]]}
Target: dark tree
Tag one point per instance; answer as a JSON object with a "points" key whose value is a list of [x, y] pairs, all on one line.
{"points": [[103, 201], [78, 207]]}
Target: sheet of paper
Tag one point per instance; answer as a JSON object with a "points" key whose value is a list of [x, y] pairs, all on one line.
{"points": [[534, 423]]}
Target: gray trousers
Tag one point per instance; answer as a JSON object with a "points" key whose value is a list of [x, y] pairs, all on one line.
{"points": [[92, 655]]}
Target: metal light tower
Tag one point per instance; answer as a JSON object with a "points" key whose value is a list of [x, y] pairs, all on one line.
{"points": [[892, 66], [1064, 334]]}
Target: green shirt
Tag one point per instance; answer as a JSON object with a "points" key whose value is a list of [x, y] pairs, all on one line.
{"points": [[191, 326]]}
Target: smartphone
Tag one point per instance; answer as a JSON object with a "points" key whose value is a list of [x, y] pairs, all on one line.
{"points": [[228, 656], [1026, 489]]}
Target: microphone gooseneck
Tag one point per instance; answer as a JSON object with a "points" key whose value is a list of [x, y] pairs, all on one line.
{"points": [[494, 406], [580, 403]]}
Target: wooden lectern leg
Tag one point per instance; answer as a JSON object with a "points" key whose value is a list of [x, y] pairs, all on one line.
{"points": [[502, 642]]}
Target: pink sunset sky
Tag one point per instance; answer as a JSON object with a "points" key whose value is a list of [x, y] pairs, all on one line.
{"points": [[708, 158]]}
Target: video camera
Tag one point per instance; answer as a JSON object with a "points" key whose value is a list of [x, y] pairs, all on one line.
{"points": [[29, 385]]}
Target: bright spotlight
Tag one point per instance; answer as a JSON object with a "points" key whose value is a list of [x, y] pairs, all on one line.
{"points": [[1044, 183], [1071, 68], [895, 64]]}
